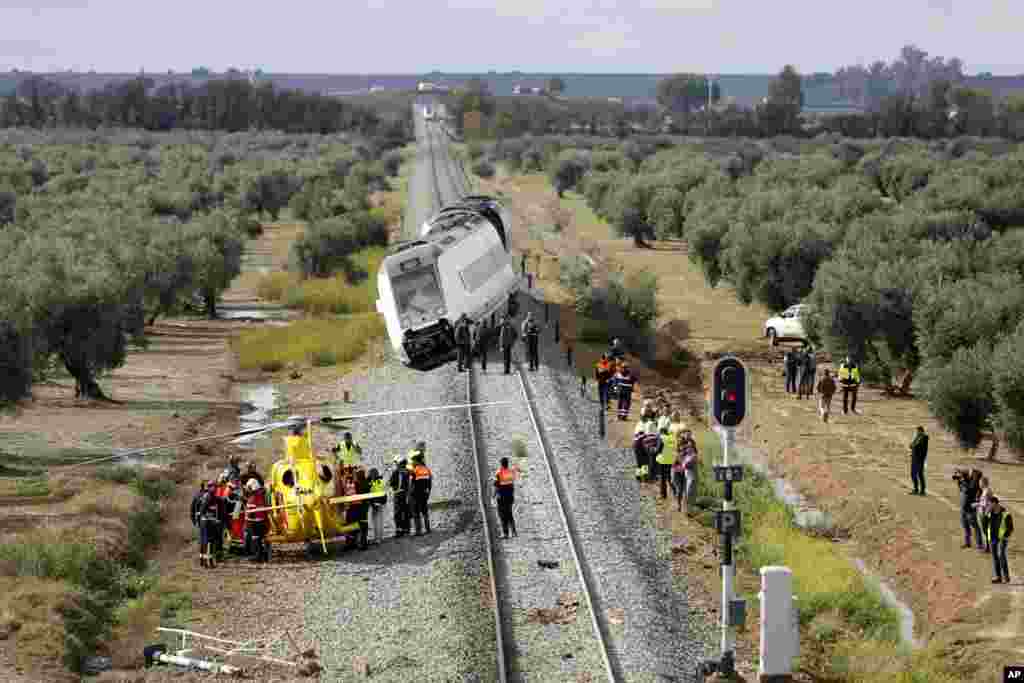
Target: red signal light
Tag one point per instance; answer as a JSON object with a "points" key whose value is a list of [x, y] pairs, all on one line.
{"points": [[730, 396]]}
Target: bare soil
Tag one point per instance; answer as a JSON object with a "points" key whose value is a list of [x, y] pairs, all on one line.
{"points": [[856, 467]]}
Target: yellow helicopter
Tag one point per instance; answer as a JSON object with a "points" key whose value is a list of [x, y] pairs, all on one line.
{"points": [[306, 492]]}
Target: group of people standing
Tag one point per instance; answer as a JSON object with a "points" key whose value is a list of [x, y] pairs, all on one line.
{"points": [[614, 377], [220, 500], [411, 482], [473, 339], [983, 514], [800, 367], [666, 450]]}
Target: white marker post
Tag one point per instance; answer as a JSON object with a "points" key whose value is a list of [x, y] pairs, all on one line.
{"points": [[780, 630]]}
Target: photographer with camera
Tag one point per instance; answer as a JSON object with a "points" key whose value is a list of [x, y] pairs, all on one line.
{"points": [[968, 482]]}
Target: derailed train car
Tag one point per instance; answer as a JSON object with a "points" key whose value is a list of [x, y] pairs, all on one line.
{"points": [[459, 265]]}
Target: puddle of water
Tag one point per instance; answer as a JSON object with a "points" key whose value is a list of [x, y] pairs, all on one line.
{"points": [[254, 312], [159, 459], [807, 516], [260, 400]]}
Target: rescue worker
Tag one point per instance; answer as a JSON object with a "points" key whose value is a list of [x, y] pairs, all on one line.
{"points": [[826, 390], [252, 473], [849, 380], [479, 342], [347, 452], [505, 493], [666, 457], [506, 339], [531, 333], [297, 445], [462, 341], [377, 505], [232, 472], [210, 513], [806, 373], [1000, 530], [399, 483], [422, 480], [652, 447], [603, 375], [626, 383], [418, 448], [194, 513], [789, 361], [918, 453], [357, 512], [256, 521], [664, 421], [615, 351]]}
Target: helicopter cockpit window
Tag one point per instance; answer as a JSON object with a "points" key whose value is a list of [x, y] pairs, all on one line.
{"points": [[288, 478], [325, 473]]}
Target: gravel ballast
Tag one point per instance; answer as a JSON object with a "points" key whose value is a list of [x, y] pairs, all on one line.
{"points": [[629, 554], [418, 608], [540, 651]]}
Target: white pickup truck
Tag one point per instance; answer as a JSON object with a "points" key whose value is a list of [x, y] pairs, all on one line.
{"points": [[787, 326]]}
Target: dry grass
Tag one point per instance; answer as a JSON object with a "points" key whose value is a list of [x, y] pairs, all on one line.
{"points": [[323, 296], [340, 340], [29, 615]]}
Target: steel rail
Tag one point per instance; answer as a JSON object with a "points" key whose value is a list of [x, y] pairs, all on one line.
{"points": [[598, 618]]}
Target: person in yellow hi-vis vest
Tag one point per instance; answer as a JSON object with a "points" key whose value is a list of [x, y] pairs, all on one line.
{"points": [[849, 380], [665, 458], [348, 452]]}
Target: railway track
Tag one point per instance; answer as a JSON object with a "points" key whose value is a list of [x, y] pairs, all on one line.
{"points": [[540, 577]]}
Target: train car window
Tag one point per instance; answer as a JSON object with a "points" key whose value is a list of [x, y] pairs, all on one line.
{"points": [[483, 268], [417, 292]]}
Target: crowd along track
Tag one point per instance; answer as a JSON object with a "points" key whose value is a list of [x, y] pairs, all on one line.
{"points": [[539, 577]]}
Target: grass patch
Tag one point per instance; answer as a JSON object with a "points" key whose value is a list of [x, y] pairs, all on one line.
{"points": [[32, 488], [354, 291], [848, 633], [593, 331], [94, 582], [345, 339]]}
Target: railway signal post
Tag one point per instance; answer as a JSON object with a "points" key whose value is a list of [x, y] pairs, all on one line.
{"points": [[729, 402]]}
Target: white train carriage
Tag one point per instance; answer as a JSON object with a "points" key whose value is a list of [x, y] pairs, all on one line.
{"points": [[460, 266]]}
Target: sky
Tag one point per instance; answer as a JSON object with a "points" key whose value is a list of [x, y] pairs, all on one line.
{"points": [[547, 36]]}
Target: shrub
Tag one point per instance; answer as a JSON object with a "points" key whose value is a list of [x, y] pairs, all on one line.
{"points": [[960, 392], [275, 347], [322, 358], [475, 150], [328, 245], [392, 161], [593, 331], [484, 169]]}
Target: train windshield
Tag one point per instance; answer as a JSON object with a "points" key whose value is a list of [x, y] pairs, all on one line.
{"points": [[417, 292]]}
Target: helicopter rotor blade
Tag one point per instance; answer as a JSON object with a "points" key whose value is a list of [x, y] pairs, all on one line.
{"points": [[339, 418], [354, 498], [239, 435]]}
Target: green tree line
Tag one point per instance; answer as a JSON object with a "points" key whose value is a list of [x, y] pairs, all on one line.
{"points": [[228, 104], [911, 254], [101, 234]]}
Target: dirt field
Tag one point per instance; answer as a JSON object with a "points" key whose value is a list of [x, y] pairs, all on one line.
{"points": [[856, 467], [179, 387]]}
